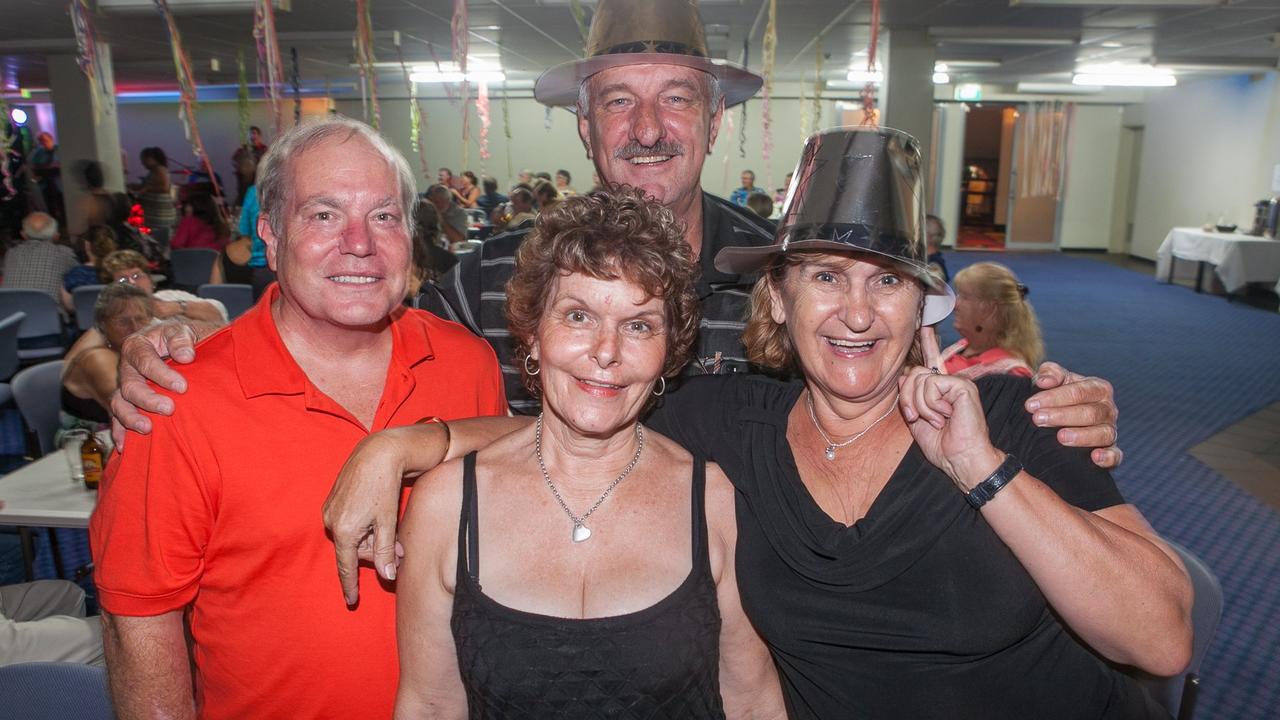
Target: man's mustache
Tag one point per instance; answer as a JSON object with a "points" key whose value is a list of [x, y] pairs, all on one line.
{"points": [[635, 149]]}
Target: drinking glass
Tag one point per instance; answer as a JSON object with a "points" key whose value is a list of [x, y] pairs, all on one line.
{"points": [[71, 442]]}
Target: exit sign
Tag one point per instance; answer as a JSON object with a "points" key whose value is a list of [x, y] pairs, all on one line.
{"points": [[968, 92]]}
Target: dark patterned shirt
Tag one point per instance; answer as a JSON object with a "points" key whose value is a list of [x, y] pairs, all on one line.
{"points": [[474, 294], [38, 265]]}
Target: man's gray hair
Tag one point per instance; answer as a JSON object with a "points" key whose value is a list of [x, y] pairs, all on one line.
{"points": [[40, 226], [711, 88], [273, 172]]}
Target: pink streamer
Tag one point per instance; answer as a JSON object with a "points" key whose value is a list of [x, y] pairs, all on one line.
{"points": [[460, 46], [482, 110], [270, 67]]}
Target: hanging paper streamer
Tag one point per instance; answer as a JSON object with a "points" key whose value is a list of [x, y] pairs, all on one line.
{"points": [[87, 54], [242, 99], [870, 114], [366, 61], [270, 67], [580, 17], [805, 128], [415, 114], [742, 113], [297, 86], [482, 111], [769, 51], [506, 127], [186, 93], [7, 139], [448, 88], [818, 85], [724, 163], [460, 47]]}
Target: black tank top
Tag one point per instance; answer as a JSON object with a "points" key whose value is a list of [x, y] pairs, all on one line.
{"points": [[83, 408], [660, 662]]}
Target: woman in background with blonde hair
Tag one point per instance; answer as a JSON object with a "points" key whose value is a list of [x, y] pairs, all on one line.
{"points": [[999, 332]]}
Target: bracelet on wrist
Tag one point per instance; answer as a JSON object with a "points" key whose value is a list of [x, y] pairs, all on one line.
{"points": [[982, 493]]}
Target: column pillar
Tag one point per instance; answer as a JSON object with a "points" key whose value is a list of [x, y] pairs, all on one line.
{"points": [[81, 136], [907, 93]]}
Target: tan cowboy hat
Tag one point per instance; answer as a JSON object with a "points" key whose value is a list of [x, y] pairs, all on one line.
{"points": [[637, 32]]}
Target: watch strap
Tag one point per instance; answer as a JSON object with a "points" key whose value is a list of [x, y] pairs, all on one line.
{"points": [[982, 493]]}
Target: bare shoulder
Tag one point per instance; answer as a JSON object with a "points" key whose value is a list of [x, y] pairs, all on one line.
{"points": [[437, 495]]}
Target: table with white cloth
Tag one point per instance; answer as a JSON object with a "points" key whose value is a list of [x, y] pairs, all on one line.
{"points": [[42, 494], [1238, 259]]}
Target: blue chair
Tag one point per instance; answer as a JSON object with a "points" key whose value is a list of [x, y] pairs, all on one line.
{"points": [[37, 390], [40, 334], [192, 266], [235, 297], [9, 359], [85, 298], [49, 691], [1178, 694]]}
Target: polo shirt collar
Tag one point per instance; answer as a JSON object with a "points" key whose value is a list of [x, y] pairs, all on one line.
{"points": [[265, 366]]}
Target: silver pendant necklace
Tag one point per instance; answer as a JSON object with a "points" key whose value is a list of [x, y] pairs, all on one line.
{"points": [[832, 445], [580, 531]]}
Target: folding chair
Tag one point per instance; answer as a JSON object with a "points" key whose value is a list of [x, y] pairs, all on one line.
{"points": [[85, 297], [53, 691], [237, 298], [191, 266], [9, 359], [40, 334]]}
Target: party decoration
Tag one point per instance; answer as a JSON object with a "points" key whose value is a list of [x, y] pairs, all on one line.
{"points": [[366, 61], [415, 114], [580, 17], [186, 93], [242, 99], [506, 127], [818, 85], [871, 114], [296, 82], [270, 68], [482, 111], [742, 113], [461, 40], [87, 54], [7, 138], [770, 54]]}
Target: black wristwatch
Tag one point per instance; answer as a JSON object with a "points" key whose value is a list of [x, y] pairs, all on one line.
{"points": [[982, 493]]}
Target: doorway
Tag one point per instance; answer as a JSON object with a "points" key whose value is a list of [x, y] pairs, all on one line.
{"points": [[984, 183]]}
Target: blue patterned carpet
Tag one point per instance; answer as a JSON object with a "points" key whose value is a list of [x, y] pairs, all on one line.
{"points": [[1184, 367]]}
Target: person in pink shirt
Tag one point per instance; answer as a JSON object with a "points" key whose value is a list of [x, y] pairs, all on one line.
{"points": [[202, 226], [999, 332]]}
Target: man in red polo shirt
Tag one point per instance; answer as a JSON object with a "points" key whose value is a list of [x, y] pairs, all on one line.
{"points": [[216, 514]]}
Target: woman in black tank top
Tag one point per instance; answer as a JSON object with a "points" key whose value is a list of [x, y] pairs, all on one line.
{"points": [[590, 572]]}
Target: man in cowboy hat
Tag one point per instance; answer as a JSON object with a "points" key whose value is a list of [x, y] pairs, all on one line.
{"points": [[649, 104]]}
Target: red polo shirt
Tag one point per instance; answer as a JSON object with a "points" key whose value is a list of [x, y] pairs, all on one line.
{"points": [[219, 509]]}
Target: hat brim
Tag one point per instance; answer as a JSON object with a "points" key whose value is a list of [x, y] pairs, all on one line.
{"points": [[559, 85], [939, 299]]}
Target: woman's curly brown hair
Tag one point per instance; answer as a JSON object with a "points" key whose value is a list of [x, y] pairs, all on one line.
{"points": [[609, 234]]}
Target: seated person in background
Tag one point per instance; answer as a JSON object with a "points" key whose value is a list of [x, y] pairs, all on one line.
{"points": [[233, 263], [93, 246], [546, 195], [127, 266], [89, 368], [517, 214], [430, 260], [564, 183], [491, 199], [999, 332], [202, 225], [760, 204], [43, 621], [469, 192], [935, 233], [453, 220]]}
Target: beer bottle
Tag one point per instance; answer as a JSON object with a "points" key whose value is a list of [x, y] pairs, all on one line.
{"points": [[93, 458]]}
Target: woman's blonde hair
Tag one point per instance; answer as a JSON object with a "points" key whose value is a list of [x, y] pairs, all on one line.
{"points": [[1017, 328], [767, 343]]}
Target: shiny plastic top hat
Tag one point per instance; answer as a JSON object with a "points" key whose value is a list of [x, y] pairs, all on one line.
{"points": [[644, 32], [856, 189]]}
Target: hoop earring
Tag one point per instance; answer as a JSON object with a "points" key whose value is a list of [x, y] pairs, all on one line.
{"points": [[663, 391], [534, 371]]}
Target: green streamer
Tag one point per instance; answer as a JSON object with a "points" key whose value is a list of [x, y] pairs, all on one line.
{"points": [[242, 98]]}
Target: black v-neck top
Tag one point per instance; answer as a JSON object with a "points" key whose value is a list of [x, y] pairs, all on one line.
{"points": [[918, 610]]}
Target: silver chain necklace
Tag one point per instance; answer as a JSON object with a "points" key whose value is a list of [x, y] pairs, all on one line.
{"points": [[832, 445], [580, 531]]}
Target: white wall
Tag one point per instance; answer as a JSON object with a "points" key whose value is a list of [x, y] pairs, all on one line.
{"points": [[533, 144], [1209, 147], [1087, 204], [945, 202]]}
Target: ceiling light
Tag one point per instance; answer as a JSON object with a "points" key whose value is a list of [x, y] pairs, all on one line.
{"points": [[940, 67], [1121, 75], [19, 116], [941, 78], [454, 76], [1050, 88], [191, 7], [969, 63]]}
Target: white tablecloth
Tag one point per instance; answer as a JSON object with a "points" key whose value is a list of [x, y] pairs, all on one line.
{"points": [[1238, 259], [41, 494]]}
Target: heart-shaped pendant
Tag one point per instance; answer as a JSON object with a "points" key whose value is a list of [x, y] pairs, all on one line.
{"points": [[581, 533]]}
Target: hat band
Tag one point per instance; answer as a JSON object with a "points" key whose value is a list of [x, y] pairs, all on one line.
{"points": [[857, 236], [668, 47]]}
